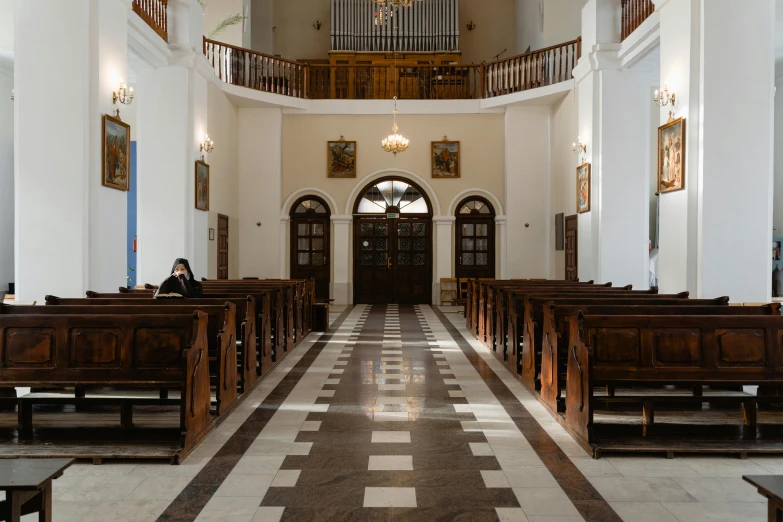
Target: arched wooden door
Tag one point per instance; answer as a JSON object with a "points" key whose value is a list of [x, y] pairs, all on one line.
{"points": [[392, 244], [475, 241], [310, 243]]}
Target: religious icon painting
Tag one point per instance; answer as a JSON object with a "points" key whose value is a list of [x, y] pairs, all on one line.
{"points": [[116, 153], [202, 186], [341, 159], [583, 188], [445, 159], [671, 156]]}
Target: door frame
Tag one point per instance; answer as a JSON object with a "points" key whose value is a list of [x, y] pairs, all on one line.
{"points": [[357, 219], [490, 229], [228, 249], [293, 234]]}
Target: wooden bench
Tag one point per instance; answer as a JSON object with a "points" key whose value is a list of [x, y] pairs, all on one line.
{"points": [[27, 484], [113, 351], [554, 341], [615, 350]]}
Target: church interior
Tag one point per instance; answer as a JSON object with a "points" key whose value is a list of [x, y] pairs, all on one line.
{"points": [[578, 319]]}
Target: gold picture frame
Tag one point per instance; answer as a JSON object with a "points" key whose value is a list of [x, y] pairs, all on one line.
{"points": [[671, 156], [202, 186], [115, 153], [583, 188], [341, 159], [446, 158]]}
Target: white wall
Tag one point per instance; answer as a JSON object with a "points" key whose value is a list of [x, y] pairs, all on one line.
{"points": [[527, 192], [260, 197], [562, 21], [587, 222], [7, 24], [778, 202], [563, 172], [6, 175], [530, 30], [218, 10]]}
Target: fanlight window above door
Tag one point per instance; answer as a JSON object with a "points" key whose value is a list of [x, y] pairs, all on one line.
{"points": [[393, 196], [474, 207], [310, 206]]}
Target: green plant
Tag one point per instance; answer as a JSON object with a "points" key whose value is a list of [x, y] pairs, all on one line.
{"points": [[225, 23]]}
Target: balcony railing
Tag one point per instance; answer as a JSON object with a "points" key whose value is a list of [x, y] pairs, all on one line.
{"points": [[633, 14], [254, 70], [154, 13], [530, 70], [262, 72]]}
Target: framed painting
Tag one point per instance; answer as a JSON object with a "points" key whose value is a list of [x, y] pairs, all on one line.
{"points": [[445, 159], [671, 156], [115, 153], [341, 159], [202, 186], [583, 188]]}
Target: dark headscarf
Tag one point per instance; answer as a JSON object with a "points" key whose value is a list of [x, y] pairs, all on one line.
{"points": [[186, 286]]}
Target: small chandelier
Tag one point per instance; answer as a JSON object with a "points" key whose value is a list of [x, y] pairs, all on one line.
{"points": [[395, 142], [122, 95]]}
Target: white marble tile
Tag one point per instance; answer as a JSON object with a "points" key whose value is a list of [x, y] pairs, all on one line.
{"points": [[311, 426], [390, 416], [495, 479], [121, 511], [470, 425], [639, 466], [448, 382], [511, 515], [390, 463], [337, 371], [723, 467], [636, 489], [463, 408], [244, 485], [332, 381], [385, 367], [234, 509], [326, 393], [258, 465], [269, 447], [391, 352], [403, 401], [481, 449], [390, 497], [723, 489], [71, 511], [268, 514], [545, 501], [444, 371], [391, 437], [391, 359], [319, 408], [286, 478], [456, 393], [642, 511], [103, 487], [530, 477], [722, 511], [300, 448], [442, 363], [340, 363]]}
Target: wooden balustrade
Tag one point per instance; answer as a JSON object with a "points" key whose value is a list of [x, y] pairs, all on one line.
{"points": [[154, 13], [382, 82], [256, 70], [634, 12], [530, 70]]}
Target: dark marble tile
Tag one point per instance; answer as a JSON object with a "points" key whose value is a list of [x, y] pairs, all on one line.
{"points": [[461, 497], [467, 514], [315, 496], [299, 514]]}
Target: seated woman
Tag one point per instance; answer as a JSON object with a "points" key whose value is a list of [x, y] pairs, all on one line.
{"points": [[180, 283]]}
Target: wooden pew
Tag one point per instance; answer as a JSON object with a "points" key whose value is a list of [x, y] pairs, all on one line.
{"points": [[615, 350], [249, 354], [221, 336], [127, 351], [555, 334]]}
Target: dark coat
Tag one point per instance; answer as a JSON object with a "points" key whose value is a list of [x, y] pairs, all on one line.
{"points": [[182, 285]]}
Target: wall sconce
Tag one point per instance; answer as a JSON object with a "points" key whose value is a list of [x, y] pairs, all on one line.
{"points": [[663, 97], [471, 25], [317, 25], [208, 145], [580, 148], [122, 95]]}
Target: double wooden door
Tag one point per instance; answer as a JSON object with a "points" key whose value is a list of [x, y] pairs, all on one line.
{"points": [[392, 260], [222, 251], [310, 252]]}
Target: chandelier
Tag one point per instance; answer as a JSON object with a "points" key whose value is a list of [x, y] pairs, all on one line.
{"points": [[395, 142]]}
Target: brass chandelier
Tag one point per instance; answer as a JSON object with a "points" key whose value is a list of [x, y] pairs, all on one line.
{"points": [[395, 142]]}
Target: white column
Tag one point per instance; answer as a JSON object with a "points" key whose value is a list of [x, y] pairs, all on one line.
{"points": [[62, 212], [285, 265], [501, 265], [342, 279], [260, 192], [715, 234], [172, 122], [444, 255], [6, 171]]}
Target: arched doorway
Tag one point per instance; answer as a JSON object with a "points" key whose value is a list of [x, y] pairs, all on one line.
{"points": [[310, 243], [475, 244], [392, 243]]}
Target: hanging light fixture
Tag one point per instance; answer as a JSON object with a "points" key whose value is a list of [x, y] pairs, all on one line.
{"points": [[395, 142]]}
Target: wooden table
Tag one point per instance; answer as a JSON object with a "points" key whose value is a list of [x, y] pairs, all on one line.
{"points": [[28, 487], [771, 486]]}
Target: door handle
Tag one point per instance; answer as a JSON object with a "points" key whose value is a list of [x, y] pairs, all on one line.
{"points": [[326, 260], [388, 263]]}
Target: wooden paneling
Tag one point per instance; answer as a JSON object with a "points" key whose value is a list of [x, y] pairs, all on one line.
{"points": [[222, 250]]}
